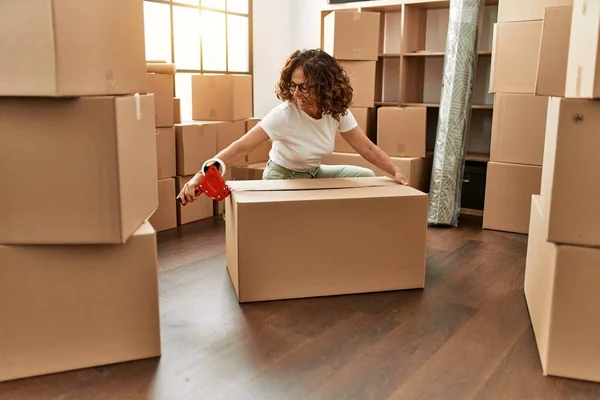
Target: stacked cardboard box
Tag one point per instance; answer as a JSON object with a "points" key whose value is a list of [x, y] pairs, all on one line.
{"points": [[78, 265], [161, 84], [528, 65], [562, 272]]}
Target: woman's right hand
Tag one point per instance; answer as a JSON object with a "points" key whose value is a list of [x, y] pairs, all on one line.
{"points": [[187, 191]]}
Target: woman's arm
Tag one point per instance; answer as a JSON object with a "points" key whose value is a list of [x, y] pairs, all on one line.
{"points": [[359, 141]]}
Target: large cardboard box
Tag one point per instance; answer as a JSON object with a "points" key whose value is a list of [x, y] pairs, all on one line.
{"points": [[518, 128], [515, 56], [196, 143], [352, 35], [162, 86], [72, 48], [554, 52], [561, 290], [402, 131], [508, 192], [362, 79], [275, 252], [221, 97], [261, 153], [199, 209], [367, 121], [76, 170], [165, 216], [417, 170], [165, 152], [528, 10], [570, 191], [583, 65], [71, 307]]}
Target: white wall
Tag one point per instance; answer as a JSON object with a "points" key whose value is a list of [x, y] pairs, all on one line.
{"points": [[280, 27]]}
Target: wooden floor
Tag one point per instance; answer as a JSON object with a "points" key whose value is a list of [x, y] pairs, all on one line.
{"points": [[466, 336]]}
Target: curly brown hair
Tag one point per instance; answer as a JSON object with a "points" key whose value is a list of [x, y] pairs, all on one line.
{"points": [[325, 78]]}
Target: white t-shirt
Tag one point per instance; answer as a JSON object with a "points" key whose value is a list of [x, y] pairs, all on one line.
{"points": [[300, 141]]}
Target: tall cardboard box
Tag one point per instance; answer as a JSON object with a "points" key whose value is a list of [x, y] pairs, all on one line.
{"points": [[508, 192], [71, 307], [163, 88], [165, 152], [518, 128], [76, 170], [268, 234], [515, 56], [196, 143], [583, 65], [570, 191], [352, 35], [72, 48], [561, 290], [529, 10], [199, 209], [221, 97], [362, 78], [165, 216], [402, 131], [367, 121]]}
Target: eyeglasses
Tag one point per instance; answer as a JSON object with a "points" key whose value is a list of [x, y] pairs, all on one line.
{"points": [[302, 87]]}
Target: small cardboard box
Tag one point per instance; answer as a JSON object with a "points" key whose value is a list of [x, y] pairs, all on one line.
{"points": [[165, 216], [165, 152], [508, 192], [221, 97], [352, 35], [402, 131], [196, 143], [200, 209], [291, 238], [76, 170], [362, 79], [583, 65], [417, 170], [72, 48], [367, 120], [561, 290], [72, 307], [570, 191], [554, 52], [162, 86], [528, 10], [518, 128], [515, 56]]}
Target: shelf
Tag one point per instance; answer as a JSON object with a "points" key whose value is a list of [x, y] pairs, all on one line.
{"points": [[439, 54], [436, 105]]}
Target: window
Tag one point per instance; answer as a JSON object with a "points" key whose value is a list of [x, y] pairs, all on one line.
{"points": [[199, 36]]}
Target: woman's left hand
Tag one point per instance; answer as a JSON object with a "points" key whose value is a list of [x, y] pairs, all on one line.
{"points": [[398, 177]]}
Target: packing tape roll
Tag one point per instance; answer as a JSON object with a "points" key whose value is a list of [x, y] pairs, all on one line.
{"points": [[215, 161]]}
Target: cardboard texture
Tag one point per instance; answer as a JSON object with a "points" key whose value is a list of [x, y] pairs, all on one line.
{"points": [[515, 56], [362, 79], [227, 133], [221, 97], [176, 110], [583, 65], [351, 35], [77, 170], [73, 307], [162, 86], [165, 152], [268, 234], [416, 170], [570, 193], [518, 128], [508, 192], [367, 121], [561, 290], [554, 51], [261, 153], [401, 131], [72, 48], [196, 143], [528, 10], [200, 209], [165, 216]]}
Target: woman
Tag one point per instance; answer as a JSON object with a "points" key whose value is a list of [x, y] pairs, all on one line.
{"points": [[316, 95]]}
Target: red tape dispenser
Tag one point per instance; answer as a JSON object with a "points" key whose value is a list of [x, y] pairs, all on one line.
{"points": [[212, 184]]}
